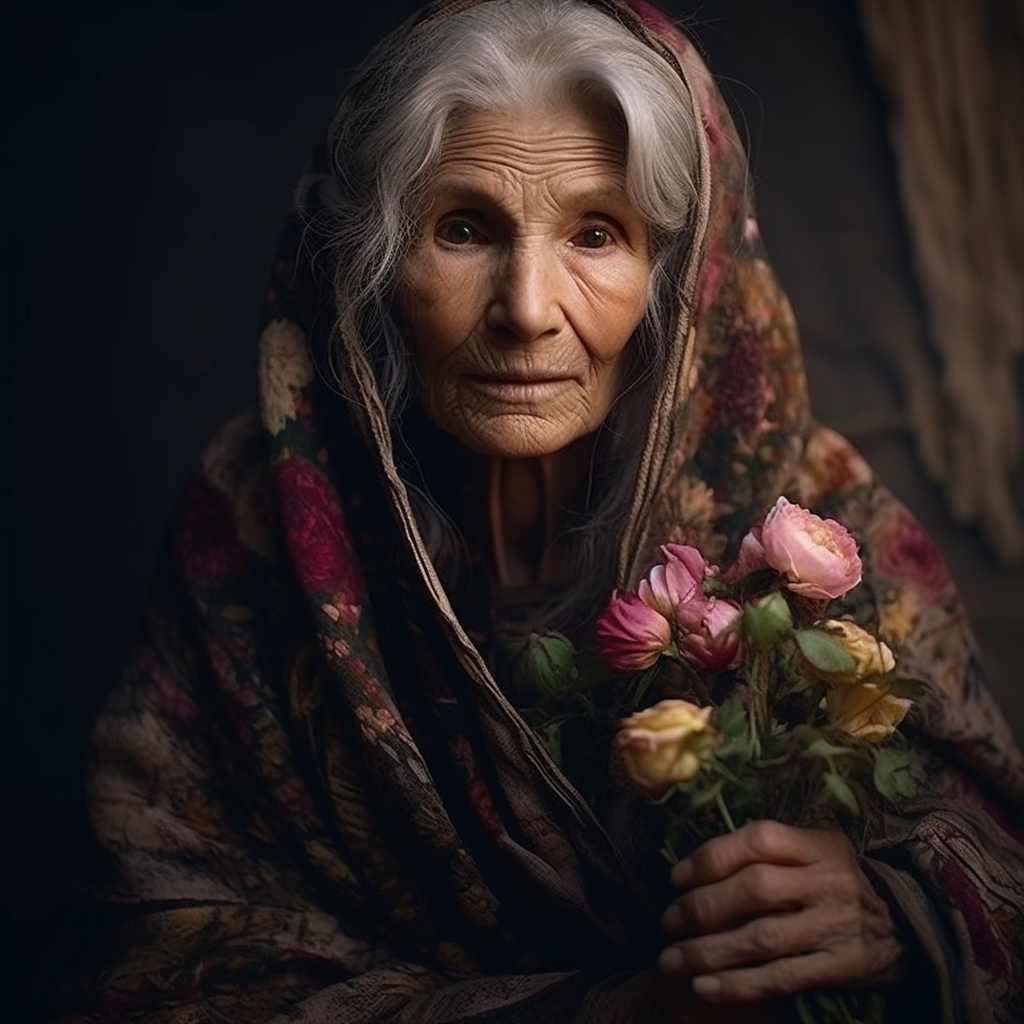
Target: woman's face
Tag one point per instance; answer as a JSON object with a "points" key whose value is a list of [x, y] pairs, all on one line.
{"points": [[529, 276]]}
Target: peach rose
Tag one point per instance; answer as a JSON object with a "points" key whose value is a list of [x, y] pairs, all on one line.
{"points": [[818, 556], [866, 711], [666, 744], [631, 635], [871, 657]]}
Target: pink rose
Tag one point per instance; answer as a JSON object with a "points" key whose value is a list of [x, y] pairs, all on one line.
{"points": [[631, 635], [706, 640], [668, 585], [818, 556], [750, 558]]}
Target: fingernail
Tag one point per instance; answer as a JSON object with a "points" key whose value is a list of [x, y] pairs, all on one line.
{"points": [[671, 960], [682, 873], [707, 985]]}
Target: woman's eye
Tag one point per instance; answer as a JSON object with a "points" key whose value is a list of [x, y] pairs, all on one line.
{"points": [[457, 232], [593, 238]]}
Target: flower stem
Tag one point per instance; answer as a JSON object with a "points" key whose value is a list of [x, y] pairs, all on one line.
{"points": [[758, 701], [723, 809]]}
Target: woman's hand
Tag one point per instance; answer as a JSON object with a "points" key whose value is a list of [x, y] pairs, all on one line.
{"points": [[771, 910]]}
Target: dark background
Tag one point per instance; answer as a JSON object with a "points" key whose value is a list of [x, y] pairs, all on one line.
{"points": [[150, 156]]}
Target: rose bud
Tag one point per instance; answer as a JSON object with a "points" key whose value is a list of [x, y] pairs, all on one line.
{"points": [[707, 639], [767, 620], [631, 635], [676, 581], [871, 657], [547, 661], [818, 556], [866, 711], [666, 744]]}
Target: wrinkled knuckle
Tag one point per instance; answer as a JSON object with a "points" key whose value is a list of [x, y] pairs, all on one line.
{"points": [[760, 884], [765, 939], [764, 837], [782, 979]]}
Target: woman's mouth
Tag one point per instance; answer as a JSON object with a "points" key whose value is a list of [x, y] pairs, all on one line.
{"points": [[519, 387]]}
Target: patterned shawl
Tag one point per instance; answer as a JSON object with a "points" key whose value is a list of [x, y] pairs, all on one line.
{"points": [[314, 801]]}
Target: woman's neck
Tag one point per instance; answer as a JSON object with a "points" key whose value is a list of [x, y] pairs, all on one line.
{"points": [[525, 503]]}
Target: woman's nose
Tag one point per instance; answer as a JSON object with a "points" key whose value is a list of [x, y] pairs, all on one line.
{"points": [[526, 302]]}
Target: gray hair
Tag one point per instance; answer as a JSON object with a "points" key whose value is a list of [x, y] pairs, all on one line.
{"points": [[386, 139]]}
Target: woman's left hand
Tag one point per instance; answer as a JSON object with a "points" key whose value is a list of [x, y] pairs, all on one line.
{"points": [[771, 910]]}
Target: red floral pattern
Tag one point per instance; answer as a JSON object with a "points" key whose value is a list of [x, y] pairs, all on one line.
{"points": [[908, 553]]}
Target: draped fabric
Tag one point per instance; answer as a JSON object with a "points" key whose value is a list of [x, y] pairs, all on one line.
{"points": [[960, 159], [313, 799]]}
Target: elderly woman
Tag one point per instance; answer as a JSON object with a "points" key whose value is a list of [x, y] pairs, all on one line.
{"points": [[521, 331]]}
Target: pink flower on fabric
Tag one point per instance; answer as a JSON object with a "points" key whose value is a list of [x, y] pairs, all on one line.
{"points": [[318, 538], [206, 543], [818, 556], [631, 635], [676, 581], [908, 552], [706, 640]]}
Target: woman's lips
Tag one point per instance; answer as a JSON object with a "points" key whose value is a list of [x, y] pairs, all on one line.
{"points": [[514, 388]]}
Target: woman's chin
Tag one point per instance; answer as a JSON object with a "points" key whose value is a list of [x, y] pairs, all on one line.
{"points": [[517, 436]]}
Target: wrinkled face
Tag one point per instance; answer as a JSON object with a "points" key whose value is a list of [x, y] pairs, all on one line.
{"points": [[529, 276]]}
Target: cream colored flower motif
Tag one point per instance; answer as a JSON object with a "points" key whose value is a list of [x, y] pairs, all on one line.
{"points": [[284, 370], [829, 465], [899, 615]]}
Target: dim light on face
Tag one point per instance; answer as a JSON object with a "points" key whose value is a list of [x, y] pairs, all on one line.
{"points": [[529, 276]]}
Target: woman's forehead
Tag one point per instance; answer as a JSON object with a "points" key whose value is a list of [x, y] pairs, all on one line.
{"points": [[563, 148]]}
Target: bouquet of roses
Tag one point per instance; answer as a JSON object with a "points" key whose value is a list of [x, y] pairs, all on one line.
{"points": [[791, 714]]}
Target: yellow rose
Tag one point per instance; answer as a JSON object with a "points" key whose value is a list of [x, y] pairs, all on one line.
{"points": [[666, 744], [866, 711], [870, 655]]}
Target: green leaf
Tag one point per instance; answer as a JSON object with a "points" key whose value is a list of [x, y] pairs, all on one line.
{"points": [[911, 689], [893, 774], [824, 651], [730, 719], [705, 795], [821, 747], [839, 790]]}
